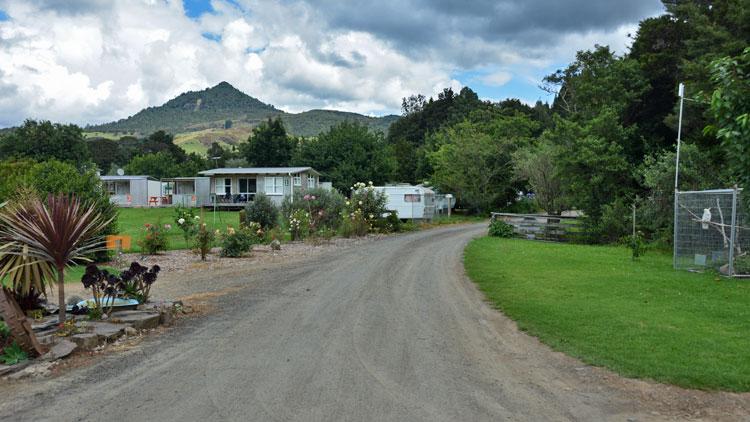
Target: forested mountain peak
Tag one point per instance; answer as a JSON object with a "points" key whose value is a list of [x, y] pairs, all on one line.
{"points": [[223, 96], [222, 107]]}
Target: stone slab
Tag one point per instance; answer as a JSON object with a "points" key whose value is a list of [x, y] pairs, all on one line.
{"points": [[61, 349], [140, 320], [85, 341], [106, 331]]}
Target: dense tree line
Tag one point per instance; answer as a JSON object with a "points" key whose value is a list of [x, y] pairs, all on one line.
{"points": [[607, 138]]}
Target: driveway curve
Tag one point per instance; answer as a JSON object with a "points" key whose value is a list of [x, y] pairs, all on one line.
{"points": [[389, 330]]}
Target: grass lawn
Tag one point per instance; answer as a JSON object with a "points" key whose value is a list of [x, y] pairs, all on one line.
{"points": [[132, 220], [641, 319]]}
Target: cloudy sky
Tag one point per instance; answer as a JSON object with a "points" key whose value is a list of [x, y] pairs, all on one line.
{"points": [[89, 61]]}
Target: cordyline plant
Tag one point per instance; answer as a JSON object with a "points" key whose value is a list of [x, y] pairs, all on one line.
{"points": [[58, 231]]}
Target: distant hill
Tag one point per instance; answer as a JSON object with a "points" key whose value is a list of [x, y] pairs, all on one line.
{"points": [[207, 112]]}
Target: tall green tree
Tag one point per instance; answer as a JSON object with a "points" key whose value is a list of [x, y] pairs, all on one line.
{"points": [[474, 159], [43, 140], [347, 153], [269, 145], [730, 107]]}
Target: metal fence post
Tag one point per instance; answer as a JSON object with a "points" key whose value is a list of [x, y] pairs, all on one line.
{"points": [[674, 237], [733, 233]]}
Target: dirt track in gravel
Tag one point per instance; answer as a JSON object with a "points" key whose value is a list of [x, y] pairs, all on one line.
{"points": [[388, 329]]}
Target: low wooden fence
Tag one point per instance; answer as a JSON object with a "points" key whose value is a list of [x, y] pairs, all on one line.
{"points": [[553, 228]]}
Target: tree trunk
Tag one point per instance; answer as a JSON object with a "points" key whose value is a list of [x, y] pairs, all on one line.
{"points": [[61, 294], [19, 326]]}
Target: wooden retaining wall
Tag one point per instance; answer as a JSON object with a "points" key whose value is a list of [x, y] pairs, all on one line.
{"points": [[553, 228]]}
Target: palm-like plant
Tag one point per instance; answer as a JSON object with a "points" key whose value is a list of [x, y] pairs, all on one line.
{"points": [[58, 231]]}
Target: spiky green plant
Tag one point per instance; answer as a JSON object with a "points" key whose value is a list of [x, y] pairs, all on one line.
{"points": [[59, 231]]}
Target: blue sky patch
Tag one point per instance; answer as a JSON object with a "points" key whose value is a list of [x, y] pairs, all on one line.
{"points": [[211, 36], [195, 8], [4, 16]]}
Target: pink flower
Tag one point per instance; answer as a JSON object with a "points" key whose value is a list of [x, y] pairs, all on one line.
{"points": [[306, 197], [312, 197]]}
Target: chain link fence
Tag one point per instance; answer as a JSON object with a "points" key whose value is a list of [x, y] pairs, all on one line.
{"points": [[712, 231]]}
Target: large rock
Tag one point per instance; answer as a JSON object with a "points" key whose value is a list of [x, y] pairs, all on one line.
{"points": [[140, 320], [107, 331], [85, 341], [61, 349]]}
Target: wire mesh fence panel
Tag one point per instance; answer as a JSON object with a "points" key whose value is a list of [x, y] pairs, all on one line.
{"points": [[703, 230]]}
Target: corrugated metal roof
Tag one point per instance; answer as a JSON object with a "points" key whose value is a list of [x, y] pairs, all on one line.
{"points": [[126, 177], [258, 170]]}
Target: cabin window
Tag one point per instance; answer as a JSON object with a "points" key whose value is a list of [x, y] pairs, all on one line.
{"points": [[298, 180], [184, 188], [247, 185], [310, 181], [274, 185], [224, 186], [412, 197], [118, 188]]}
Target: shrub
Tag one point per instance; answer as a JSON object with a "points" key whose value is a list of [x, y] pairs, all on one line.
{"points": [[235, 243], [13, 354], [369, 201], [742, 264], [55, 178], [204, 240], [346, 228], [154, 239], [324, 207], [499, 228], [637, 245], [390, 223], [262, 211], [299, 224], [187, 221]]}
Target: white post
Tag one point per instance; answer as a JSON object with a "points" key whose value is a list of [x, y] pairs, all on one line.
{"points": [[681, 93], [733, 234]]}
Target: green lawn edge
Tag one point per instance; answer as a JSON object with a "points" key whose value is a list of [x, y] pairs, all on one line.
{"points": [[641, 319]]}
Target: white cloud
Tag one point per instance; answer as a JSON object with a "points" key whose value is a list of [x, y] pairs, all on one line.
{"points": [[91, 62], [496, 79]]}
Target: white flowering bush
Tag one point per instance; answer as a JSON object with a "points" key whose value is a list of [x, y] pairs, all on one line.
{"points": [[324, 206], [364, 209], [187, 221], [299, 224]]}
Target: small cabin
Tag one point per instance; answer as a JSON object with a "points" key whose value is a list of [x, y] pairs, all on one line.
{"points": [[132, 191], [185, 191], [410, 202]]}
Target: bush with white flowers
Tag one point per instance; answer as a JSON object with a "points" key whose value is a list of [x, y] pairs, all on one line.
{"points": [[187, 221], [365, 207]]}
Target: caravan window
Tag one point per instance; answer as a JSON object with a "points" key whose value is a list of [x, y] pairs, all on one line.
{"points": [[412, 197]]}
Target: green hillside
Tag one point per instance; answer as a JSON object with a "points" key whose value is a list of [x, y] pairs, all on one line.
{"points": [[198, 118]]}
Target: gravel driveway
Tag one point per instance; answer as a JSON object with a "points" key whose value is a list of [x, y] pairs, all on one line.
{"points": [[384, 330]]}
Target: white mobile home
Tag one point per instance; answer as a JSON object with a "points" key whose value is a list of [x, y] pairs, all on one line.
{"points": [[186, 191], [133, 191], [410, 202], [235, 187]]}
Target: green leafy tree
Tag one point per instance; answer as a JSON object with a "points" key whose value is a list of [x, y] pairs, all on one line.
{"points": [[537, 165], [269, 145], [44, 140], [106, 153], [347, 153], [473, 159], [730, 107]]}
